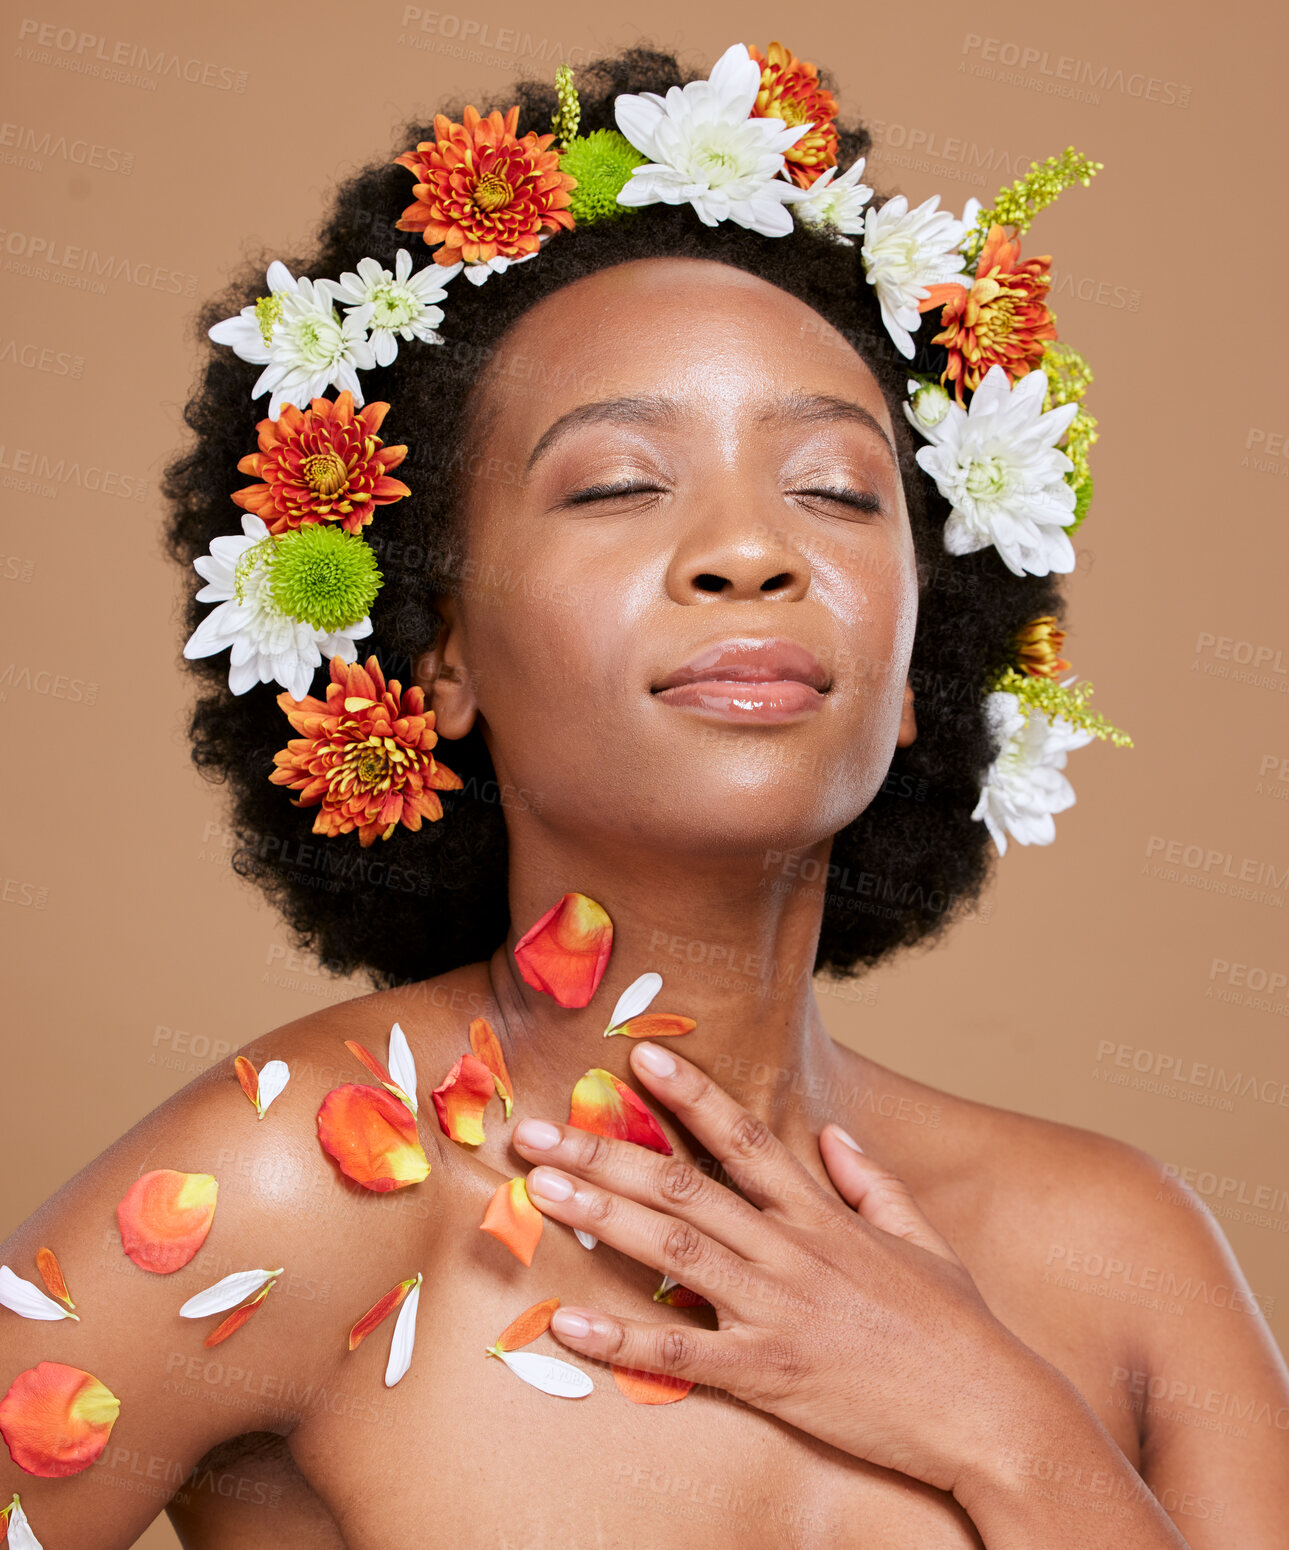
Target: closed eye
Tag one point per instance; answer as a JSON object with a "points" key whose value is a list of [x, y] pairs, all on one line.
{"points": [[861, 500], [601, 492]]}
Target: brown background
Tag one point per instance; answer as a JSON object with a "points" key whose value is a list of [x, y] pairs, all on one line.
{"points": [[136, 956]]}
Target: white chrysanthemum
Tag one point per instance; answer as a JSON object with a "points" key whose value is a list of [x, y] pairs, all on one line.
{"points": [[1024, 785], [394, 306], [267, 645], [927, 406], [704, 149], [296, 335], [836, 203], [997, 464], [905, 252]]}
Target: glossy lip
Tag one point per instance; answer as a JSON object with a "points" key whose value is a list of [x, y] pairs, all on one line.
{"points": [[746, 679]]}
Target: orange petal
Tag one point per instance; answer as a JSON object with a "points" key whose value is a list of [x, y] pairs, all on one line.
{"points": [[938, 295], [238, 1316], [607, 1107], [650, 1388], [372, 1137], [513, 1219], [56, 1419], [51, 1273], [681, 1297], [249, 1078], [483, 1041], [164, 1217], [461, 1098], [567, 951], [531, 1322], [380, 1072], [379, 1310], [656, 1025]]}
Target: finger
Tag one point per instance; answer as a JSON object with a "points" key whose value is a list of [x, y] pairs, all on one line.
{"points": [[668, 1184], [881, 1198], [676, 1350], [757, 1161], [676, 1248]]}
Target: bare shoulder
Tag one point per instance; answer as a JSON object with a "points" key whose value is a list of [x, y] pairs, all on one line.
{"points": [[243, 1193], [1112, 1268], [1087, 1208]]}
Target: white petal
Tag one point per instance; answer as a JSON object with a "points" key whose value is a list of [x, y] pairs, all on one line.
{"points": [[25, 1298], [736, 77], [400, 1350], [279, 277], [20, 1534], [274, 1077], [585, 1238], [549, 1374], [243, 676], [637, 120], [233, 1289], [206, 639], [402, 1067], [635, 998]]}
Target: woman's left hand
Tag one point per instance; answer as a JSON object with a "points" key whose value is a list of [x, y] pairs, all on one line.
{"points": [[846, 1315]]}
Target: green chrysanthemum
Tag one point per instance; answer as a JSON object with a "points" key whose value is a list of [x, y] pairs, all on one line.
{"points": [[323, 575], [601, 162]]}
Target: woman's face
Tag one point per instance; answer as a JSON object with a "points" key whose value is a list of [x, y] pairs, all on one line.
{"points": [[683, 467]]}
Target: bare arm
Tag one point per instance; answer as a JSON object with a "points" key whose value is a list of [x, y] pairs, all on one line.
{"points": [[280, 1203]]}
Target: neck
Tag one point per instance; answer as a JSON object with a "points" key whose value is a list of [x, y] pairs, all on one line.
{"points": [[734, 939]]}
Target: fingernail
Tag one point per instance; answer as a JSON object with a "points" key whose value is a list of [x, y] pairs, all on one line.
{"points": [[537, 1134], [549, 1183], [847, 1138], [656, 1060], [565, 1323]]}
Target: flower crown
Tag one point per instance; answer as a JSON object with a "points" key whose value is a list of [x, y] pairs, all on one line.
{"points": [[1006, 435]]}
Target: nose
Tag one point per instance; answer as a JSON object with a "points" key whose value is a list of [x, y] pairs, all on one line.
{"points": [[753, 564]]}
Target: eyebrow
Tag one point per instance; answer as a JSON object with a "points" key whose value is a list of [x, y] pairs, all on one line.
{"points": [[803, 407], [815, 408], [624, 411]]}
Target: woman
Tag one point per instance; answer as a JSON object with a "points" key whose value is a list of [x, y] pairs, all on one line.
{"points": [[669, 570]]}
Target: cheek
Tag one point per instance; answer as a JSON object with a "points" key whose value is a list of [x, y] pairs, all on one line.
{"points": [[548, 662], [881, 601]]}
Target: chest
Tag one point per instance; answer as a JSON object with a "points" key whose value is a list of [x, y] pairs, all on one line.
{"points": [[464, 1444]]}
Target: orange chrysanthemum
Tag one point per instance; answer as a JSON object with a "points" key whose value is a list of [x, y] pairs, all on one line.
{"points": [[364, 754], [1002, 320], [790, 90], [321, 464], [482, 192], [1038, 648]]}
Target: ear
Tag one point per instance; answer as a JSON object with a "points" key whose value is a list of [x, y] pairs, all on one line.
{"points": [[442, 672], [908, 720]]}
